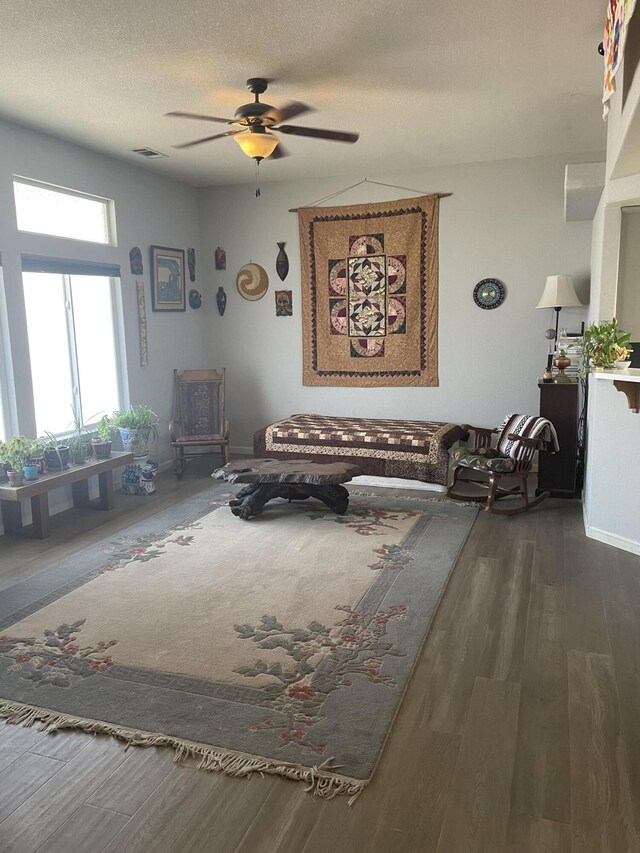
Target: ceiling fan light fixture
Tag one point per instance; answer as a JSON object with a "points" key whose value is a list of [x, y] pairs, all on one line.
{"points": [[257, 145]]}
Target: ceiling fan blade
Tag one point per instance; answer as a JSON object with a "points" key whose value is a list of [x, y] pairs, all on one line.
{"points": [[278, 153], [208, 138], [287, 111], [318, 133], [177, 114]]}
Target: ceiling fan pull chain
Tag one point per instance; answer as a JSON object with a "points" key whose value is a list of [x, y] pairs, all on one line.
{"points": [[257, 178]]}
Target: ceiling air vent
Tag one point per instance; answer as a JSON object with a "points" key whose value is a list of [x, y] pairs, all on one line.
{"points": [[149, 152]]}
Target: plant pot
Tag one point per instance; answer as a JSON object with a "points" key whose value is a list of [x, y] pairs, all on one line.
{"points": [[101, 449], [135, 440], [31, 472], [57, 460], [40, 462], [16, 478]]}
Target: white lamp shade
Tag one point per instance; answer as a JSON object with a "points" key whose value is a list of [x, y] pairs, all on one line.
{"points": [[559, 292]]}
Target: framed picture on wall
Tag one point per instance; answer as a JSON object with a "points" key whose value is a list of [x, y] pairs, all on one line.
{"points": [[167, 279]]}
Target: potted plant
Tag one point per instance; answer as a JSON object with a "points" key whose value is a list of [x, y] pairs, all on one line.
{"points": [[56, 452], [102, 443], [79, 442], [136, 425], [36, 455], [606, 345], [15, 455]]}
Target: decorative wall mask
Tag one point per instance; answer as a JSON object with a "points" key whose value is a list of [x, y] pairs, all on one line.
{"points": [[195, 298], [489, 293], [252, 282], [221, 259], [191, 263], [135, 261], [282, 262], [284, 303], [221, 300]]}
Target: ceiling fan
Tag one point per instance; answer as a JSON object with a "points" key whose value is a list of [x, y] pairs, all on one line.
{"points": [[257, 119]]}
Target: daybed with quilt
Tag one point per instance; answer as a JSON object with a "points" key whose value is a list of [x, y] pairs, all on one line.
{"points": [[415, 450]]}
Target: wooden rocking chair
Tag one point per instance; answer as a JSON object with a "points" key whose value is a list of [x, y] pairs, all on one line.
{"points": [[519, 437], [198, 415]]}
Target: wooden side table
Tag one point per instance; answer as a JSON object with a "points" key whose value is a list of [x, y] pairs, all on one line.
{"points": [[558, 472]]}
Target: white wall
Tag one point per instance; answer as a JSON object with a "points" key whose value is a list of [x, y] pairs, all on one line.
{"points": [[612, 493], [628, 295], [149, 210], [504, 220]]}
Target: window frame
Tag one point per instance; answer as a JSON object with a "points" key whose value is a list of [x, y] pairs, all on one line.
{"points": [[72, 350], [108, 203]]}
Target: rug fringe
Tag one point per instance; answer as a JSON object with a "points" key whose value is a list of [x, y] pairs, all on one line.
{"points": [[321, 781]]}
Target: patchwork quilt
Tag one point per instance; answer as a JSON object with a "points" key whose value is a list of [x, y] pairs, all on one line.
{"points": [[412, 449]]}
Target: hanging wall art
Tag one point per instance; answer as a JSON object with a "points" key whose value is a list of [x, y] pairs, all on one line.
{"points": [[221, 300], [135, 261], [142, 322], [252, 282], [370, 293], [191, 263], [282, 262], [221, 259], [167, 283], [284, 303]]}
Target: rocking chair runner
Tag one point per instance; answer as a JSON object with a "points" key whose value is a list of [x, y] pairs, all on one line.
{"points": [[519, 437], [198, 415]]}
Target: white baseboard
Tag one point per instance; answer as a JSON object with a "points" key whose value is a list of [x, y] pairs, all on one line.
{"points": [[241, 451], [622, 542]]}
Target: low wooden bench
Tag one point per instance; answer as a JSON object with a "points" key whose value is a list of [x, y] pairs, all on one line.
{"points": [[38, 490]]}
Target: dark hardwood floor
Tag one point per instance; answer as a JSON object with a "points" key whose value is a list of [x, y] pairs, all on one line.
{"points": [[519, 732]]}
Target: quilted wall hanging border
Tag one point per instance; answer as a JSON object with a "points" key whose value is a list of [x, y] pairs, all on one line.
{"points": [[370, 293]]}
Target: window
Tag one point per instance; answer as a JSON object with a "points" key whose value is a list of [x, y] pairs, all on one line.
{"points": [[4, 355], [73, 345], [45, 209]]}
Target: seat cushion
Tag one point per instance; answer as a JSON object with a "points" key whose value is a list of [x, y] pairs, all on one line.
{"points": [[483, 459]]}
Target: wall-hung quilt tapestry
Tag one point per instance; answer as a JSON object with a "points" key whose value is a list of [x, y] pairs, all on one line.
{"points": [[370, 293]]}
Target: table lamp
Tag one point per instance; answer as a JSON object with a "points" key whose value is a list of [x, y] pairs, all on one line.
{"points": [[559, 293]]}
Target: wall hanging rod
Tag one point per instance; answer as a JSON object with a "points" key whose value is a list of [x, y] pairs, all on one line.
{"points": [[365, 181]]}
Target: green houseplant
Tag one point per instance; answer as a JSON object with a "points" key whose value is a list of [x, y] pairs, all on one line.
{"points": [[102, 442], [79, 442], [56, 452], [15, 454], [605, 344], [136, 425]]}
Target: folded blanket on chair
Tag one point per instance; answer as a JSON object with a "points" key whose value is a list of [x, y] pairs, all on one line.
{"points": [[527, 426]]}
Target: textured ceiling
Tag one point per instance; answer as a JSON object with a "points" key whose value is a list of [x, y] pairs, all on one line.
{"points": [[423, 82]]}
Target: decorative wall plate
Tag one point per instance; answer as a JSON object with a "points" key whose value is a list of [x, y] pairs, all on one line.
{"points": [[489, 293], [252, 282]]}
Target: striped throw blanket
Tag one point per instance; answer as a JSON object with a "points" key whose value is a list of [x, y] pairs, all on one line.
{"points": [[527, 426]]}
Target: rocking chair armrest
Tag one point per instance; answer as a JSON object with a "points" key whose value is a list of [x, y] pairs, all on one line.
{"points": [[527, 442], [174, 430], [227, 427], [482, 435]]}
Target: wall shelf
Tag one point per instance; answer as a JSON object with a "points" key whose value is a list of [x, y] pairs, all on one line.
{"points": [[632, 392], [627, 381]]}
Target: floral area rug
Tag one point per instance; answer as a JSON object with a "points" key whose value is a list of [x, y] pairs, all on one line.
{"points": [[279, 645]]}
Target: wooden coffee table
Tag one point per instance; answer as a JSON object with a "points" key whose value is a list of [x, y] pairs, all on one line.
{"points": [[293, 479]]}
